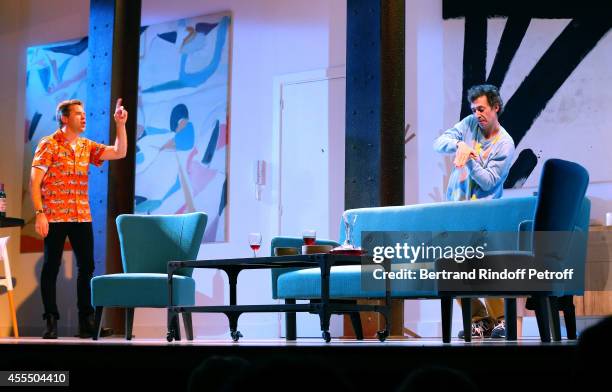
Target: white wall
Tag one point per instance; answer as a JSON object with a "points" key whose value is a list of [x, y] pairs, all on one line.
{"points": [[424, 97], [270, 38]]}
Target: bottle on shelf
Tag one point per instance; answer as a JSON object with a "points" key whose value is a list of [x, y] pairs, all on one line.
{"points": [[2, 201]]}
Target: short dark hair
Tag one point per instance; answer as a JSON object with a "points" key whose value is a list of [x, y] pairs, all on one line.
{"points": [[63, 109], [488, 90]]}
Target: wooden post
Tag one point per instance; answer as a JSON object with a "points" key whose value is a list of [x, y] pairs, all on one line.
{"points": [[375, 119], [114, 39]]}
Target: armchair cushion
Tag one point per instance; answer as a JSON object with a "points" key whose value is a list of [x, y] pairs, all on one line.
{"points": [[292, 242], [346, 282], [141, 290]]}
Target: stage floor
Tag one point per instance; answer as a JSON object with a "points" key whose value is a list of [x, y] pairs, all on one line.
{"points": [[366, 365], [306, 342]]}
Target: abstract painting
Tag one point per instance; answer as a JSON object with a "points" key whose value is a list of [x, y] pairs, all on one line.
{"points": [[182, 131], [55, 72]]}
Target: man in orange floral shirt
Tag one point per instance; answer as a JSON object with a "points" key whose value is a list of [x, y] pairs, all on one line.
{"points": [[59, 188]]}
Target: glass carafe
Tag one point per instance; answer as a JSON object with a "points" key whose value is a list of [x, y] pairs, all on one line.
{"points": [[349, 225]]}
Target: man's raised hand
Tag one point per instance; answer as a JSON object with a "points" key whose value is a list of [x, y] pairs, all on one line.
{"points": [[121, 114]]}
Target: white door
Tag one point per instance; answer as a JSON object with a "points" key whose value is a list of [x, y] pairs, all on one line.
{"points": [[312, 169], [312, 157]]}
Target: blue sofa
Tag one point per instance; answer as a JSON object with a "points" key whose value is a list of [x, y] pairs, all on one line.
{"points": [[500, 215]]}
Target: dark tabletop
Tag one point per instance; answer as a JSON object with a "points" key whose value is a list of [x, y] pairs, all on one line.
{"points": [[11, 222]]}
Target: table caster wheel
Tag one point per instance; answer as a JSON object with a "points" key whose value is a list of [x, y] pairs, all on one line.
{"points": [[236, 335], [169, 336], [382, 335], [326, 336]]}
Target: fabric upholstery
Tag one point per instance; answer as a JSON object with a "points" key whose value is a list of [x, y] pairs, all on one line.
{"points": [[147, 244], [142, 290], [290, 242], [499, 215]]}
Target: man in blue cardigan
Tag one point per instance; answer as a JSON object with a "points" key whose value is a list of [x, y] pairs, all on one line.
{"points": [[483, 156]]}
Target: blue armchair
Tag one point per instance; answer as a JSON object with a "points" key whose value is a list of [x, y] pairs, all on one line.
{"points": [[147, 244], [559, 208]]}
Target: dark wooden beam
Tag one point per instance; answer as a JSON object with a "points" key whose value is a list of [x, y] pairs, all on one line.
{"points": [[374, 103], [393, 87], [114, 39], [374, 169]]}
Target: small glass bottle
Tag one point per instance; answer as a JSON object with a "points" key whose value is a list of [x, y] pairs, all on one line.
{"points": [[2, 202]]}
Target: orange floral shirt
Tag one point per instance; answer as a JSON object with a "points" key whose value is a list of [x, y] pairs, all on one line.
{"points": [[64, 187]]}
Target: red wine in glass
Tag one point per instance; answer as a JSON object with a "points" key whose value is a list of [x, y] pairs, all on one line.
{"points": [[255, 242], [309, 237], [309, 240]]}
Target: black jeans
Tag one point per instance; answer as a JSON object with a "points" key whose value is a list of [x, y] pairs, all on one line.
{"points": [[80, 235]]}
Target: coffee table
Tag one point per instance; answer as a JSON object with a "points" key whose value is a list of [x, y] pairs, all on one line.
{"points": [[323, 306]]}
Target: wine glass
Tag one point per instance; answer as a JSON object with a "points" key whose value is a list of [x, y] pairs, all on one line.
{"points": [[349, 223], [255, 242], [309, 237]]}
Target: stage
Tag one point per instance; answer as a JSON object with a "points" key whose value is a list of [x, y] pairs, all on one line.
{"points": [[367, 365]]}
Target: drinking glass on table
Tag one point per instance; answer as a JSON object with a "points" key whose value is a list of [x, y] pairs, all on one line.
{"points": [[309, 237], [255, 242]]}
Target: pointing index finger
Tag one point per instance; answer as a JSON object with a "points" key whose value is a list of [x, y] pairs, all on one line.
{"points": [[118, 106]]}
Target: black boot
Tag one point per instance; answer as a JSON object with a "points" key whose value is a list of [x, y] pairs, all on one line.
{"points": [[87, 328], [51, 329]]}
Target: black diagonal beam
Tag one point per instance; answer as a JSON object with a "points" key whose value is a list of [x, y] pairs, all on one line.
{"points": [[511, 39], [374, 103], [551, 71], [474, 56], [543, 9]]}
